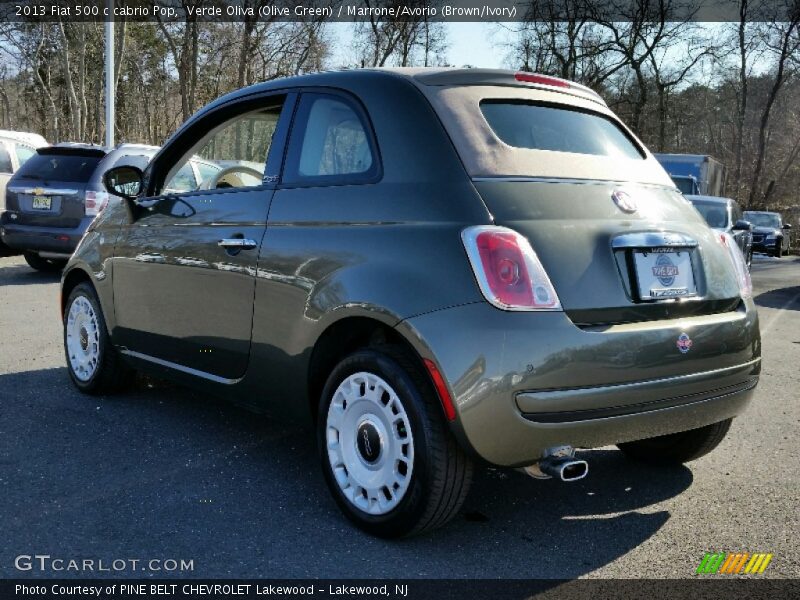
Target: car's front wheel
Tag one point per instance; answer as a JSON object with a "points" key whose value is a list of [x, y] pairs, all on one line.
{"points": [[43, 264], [391, 464], [678, 448], [94, 365], [778, 251]]}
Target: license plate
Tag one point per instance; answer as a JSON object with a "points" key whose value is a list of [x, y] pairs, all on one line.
{"points": [[41, 202], [663, 274]]}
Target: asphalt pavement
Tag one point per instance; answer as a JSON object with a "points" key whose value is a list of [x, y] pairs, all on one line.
{"points": [[167, 474]]}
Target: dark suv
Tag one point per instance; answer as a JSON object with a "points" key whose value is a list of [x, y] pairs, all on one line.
{"points": [[770, 234], [52, 201], [56, 194], [433, 266]]}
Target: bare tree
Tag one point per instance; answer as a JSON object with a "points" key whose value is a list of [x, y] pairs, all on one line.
{"points": [[784, 41], [381, 41]]}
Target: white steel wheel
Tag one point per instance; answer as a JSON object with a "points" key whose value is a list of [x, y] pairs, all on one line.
{"points": [[370, 444], [82, 338]]}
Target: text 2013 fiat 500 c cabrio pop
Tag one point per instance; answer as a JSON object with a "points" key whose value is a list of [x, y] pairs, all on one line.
{"points": [[436, 267]]}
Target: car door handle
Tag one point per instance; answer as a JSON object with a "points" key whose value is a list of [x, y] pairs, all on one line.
{"points": [[237, 243]]}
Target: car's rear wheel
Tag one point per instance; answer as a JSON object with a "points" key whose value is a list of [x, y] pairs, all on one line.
{"points": [[391, 464], [94, 365], [43, 264], [678, 448]]}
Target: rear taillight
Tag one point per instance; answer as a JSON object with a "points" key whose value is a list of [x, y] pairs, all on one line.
{"points": [[739, 264], [95, 202], [508, 271]]}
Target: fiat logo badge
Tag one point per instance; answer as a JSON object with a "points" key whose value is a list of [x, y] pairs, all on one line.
{"points": [[684, 343], [624, 201]]}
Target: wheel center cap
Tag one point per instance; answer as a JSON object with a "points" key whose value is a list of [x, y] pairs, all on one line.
{"points": [[368, 441], [84, 336]]}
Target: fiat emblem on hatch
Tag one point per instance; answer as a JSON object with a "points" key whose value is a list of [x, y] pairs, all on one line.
{"points": [[684, 343], [624, 200]]}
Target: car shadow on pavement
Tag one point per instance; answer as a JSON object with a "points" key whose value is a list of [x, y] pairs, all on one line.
{"points": [[163, 472], [25, 275], [786, 298]]}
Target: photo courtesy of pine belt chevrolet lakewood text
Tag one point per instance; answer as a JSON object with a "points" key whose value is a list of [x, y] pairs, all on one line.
{"points": [[438, 268]]}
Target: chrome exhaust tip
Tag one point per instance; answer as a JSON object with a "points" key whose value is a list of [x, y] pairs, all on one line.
{"points": [[564, 468], [558, 463]]}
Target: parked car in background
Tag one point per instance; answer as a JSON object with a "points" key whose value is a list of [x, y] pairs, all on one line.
{"points": [[725, 214], [770, 234], [56, 195], [15, 148], [697, 174], [435, 265]]}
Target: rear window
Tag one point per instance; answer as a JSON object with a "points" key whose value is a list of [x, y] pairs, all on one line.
{"points": [[715, 214], [59, 167], [546, 127]]}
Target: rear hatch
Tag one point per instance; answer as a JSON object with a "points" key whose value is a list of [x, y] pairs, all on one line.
{"points": [[618, 241], [50, 188]]}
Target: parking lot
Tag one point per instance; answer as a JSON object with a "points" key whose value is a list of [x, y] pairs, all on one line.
{"points": [[163, 473]]}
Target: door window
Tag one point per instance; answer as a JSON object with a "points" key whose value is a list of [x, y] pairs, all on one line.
{"points": [[330, 144], [23, 153], [231, 155], [5, 160], [183, 181]]}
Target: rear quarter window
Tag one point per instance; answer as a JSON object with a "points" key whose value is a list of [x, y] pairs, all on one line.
{"points": [[59, 167], [548, 127]]}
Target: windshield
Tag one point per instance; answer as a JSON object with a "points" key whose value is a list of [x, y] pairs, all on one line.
{"points": [[59, 167], [685, 184], [542, 127], [715, 214], [760, 219]]}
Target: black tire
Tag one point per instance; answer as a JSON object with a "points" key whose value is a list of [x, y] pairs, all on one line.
{"points": [[778, 251], [678, 448], [441, 474], [111, 374], [47, 265]]}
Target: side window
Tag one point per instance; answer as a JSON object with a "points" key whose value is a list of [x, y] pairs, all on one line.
{"points": [[330, 144], [183, 181], [23, 153], [231, 155], [207, 170], [5, 160]]}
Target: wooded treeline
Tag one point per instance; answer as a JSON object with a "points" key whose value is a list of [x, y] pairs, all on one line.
{"points": [[731, 90]]}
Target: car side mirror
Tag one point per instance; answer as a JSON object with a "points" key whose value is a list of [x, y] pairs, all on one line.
{"points": [[787, 225], [742, 225], [125, 182]]}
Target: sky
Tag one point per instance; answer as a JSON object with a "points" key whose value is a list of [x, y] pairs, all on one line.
{"points": [[480, 45], [468, 44]]}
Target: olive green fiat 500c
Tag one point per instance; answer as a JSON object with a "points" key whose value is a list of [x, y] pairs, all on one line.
{"points": [[437, 267]]}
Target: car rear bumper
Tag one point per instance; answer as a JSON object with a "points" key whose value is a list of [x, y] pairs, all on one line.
{"points": [[524, 382], [55, 240]]}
